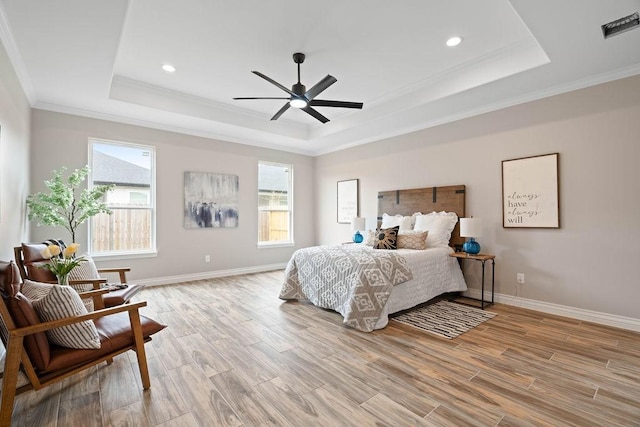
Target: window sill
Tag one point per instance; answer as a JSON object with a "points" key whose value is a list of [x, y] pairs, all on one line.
{"points": [[123, 255], [266, 245]]}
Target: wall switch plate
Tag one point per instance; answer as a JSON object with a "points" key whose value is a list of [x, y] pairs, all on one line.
{"points": [[207, 258], [520, 278]]}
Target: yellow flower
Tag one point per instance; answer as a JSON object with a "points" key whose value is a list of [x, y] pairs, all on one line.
{"points": [[69, 250], [61, 265], [46, 253], [50, 251]]}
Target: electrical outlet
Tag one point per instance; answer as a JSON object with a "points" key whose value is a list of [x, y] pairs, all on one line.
{"points": [[207, 258], [520, 278]]}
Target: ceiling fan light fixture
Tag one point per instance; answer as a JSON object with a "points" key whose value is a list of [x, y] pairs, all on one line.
{"points": [[454, 41], [298, 103], [303, 99]]}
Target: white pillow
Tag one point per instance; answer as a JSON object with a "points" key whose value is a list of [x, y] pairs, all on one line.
{"points": [[404, 222], [53, 302], [439, 225]]}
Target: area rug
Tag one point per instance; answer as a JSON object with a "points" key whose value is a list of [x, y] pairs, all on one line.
{"points": [[445, 319]]}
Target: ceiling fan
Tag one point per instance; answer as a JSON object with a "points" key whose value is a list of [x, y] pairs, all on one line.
{"points": [[305, 99]]}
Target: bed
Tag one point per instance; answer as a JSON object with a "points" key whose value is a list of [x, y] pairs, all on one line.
{"points": [[366, 285]]}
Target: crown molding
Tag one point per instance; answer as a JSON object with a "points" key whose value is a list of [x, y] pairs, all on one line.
{"points": [[209, 134]]}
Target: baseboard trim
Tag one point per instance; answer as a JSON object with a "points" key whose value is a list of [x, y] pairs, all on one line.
{"points": [[167, 280], [562, 310], [544, 307]]}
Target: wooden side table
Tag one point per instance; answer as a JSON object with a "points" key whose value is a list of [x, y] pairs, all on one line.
{"points": [[483, 258]]}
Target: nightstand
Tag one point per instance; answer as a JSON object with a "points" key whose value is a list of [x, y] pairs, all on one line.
{"points": [[483, 258]]}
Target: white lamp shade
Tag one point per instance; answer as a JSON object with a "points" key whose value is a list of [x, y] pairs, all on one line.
{"points": [[470, 227], [358, 224]]}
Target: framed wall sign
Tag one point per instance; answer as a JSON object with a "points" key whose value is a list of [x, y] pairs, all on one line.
{"points": [[530, 196], [347, 201]]}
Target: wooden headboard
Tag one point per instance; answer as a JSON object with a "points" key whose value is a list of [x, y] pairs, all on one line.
{"points": [[425, 200]]}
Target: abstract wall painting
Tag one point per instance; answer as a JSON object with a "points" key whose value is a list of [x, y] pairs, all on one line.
{"points": [[211, 200]]}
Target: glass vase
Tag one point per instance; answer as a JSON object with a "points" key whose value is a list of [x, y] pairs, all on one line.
{"points": [[63, 279]]}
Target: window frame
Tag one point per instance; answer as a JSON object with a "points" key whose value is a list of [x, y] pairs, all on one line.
{"points": [[290, 206], [126, 254]]}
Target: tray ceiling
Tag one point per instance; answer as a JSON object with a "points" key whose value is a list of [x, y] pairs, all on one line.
{"points": [[103, 59]]}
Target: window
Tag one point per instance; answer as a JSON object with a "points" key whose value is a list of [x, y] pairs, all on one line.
{"points": [[275, 204], [130, 229]]}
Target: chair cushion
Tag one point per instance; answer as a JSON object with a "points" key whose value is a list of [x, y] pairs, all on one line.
{"points": [[23, 314], [36, 271], [32, 252], [120, 296], [33, 262], [115, 334], [53, 302]]}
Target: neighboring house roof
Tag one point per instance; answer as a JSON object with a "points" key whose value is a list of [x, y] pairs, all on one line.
{"points": [[271, 178], [111, 170]]}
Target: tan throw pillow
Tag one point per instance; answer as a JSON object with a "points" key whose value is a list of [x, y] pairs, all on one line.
{"points": [[412, 240], [53, 302], [85, 271], [386, 238]]}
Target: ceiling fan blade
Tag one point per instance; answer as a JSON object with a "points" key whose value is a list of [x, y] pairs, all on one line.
{"points": [[320, 86], [261, 97], [284, 108], [310, 111], [341, 104], [273, 82]]}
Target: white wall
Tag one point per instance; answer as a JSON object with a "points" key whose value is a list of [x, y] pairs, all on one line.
{"points": [[589, 263], [62, 139], [15, 116]]}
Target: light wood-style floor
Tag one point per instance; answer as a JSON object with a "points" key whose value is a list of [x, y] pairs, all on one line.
{"points": [[234, 354]]}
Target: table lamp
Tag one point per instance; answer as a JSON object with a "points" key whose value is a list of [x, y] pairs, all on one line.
{"points": [[472, 228], [358, 224]]}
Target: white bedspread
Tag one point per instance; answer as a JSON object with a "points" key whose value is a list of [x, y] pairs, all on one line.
{"points": [[434, 272]]}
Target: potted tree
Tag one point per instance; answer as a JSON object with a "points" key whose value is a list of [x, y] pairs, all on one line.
{"points": [[66, 205]]}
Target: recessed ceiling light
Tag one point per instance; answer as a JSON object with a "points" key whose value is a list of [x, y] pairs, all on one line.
{"points": [[454, 41], [169, 68]]}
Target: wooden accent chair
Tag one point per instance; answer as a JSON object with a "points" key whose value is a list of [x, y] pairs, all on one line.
{"points": [[30, 260], [120, 329]]}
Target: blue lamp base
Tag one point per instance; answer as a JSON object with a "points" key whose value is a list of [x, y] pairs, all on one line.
{"points": [[357, 238], [471, 246]]}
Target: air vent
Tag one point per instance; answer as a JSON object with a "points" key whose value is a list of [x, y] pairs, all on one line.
{"points": [[621, 25]]}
